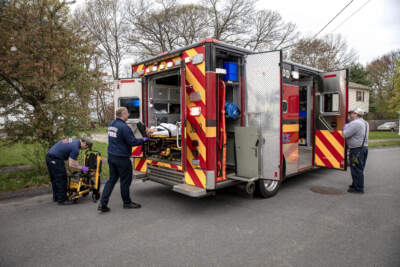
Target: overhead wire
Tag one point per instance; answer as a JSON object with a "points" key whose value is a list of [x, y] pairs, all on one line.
{"points": [[326, 25], [355, 12]]}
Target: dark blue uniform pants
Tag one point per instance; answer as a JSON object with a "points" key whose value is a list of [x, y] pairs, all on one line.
{"points": [[120, 167], [357, 170], [58, 177]]}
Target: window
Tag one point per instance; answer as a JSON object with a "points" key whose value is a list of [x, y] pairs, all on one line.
{"points": [[330, 102], [133, 106], [360, 96]]}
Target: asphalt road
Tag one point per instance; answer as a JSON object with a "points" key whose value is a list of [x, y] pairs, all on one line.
{"points": [[295, 228]]}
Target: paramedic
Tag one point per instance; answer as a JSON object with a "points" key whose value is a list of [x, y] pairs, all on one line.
{"points": [[120, 142], [356, 134], [66, 149]]}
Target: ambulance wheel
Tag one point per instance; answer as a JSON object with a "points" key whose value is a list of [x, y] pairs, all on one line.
{"points": [[268, 188]]}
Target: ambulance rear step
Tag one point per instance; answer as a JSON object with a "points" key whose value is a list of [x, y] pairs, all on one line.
{"points": [[190, 190], [164, 176]]}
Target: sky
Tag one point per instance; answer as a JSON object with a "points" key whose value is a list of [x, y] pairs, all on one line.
{"points": [[372, 31]]}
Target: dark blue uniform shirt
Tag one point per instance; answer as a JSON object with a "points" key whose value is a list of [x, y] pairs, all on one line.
{"points": [[66, 148], [121, 139]]}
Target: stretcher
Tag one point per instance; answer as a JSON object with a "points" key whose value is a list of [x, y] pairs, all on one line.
{"points": [[80, 184]]}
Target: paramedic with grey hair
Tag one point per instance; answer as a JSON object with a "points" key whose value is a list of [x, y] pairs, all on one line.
{"points": [[120, 143], [356, 134]]}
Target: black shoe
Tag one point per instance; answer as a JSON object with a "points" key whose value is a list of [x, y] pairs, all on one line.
{"points": [[66, 202], [132, 205], [103, 208], [353, 190], [351, 186]]}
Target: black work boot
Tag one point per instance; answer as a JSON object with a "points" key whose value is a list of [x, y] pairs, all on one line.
{"points": [[132, 205], [103, 208]]}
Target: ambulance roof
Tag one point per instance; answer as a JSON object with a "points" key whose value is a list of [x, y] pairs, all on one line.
{"points": [[181, 49]]}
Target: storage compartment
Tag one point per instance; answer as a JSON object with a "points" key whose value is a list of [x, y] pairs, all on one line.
{"points": [[164, 118], [232, 63]]}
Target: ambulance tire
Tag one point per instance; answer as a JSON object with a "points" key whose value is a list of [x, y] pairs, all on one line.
{"points": [[269, 188]]}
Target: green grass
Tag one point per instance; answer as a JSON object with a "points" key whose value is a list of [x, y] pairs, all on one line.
{"points": [[382, 144], [102, 129], [101, 147], [13, 155], [21, 179], [383, 135]]}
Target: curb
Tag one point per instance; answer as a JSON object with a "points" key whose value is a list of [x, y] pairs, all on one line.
{"points": [[31, 192], [27, 192]]}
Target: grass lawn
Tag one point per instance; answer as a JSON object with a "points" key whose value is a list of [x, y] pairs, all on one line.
{"points": [[102, 129], [387, 143], [21, 179], [13, 155], [383, 135]]}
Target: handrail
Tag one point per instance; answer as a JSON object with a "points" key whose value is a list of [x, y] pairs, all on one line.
{"points": [[177, 133], [325, 123]]}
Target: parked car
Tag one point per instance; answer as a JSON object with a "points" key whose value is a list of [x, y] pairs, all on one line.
{"points": [[388, 126]]}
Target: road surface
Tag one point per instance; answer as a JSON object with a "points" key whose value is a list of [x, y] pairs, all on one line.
{"points": [[295, 228]]}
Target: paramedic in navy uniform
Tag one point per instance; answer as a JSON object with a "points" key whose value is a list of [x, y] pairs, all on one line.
{"points": [[120, 142], [66, 149]]}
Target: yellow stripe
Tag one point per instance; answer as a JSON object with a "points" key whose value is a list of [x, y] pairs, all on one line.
{"points": [[326, 153], [318, 161], [332, 140], [140, 67], [162, 63], [192, 52], [211, 131], [188, 179], [290, 128], [196, 85]]}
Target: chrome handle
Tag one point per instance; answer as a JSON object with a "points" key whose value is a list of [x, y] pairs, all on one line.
{"points": [[178, 126]]}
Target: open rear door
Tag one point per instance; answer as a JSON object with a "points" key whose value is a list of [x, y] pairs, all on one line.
{"points": [[263, 109], [331, 115]]}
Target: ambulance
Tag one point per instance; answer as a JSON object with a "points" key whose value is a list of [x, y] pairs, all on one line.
{"points": [[224, 116]]}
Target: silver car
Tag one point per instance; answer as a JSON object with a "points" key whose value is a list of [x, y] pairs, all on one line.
{"points": [[388, 126]]}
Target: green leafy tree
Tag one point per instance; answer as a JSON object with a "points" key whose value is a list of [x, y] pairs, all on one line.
{"points": [[45, 75], [359, 74], [395, 100], [381, 72]]}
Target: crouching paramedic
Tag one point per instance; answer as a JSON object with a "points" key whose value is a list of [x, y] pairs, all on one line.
{"points": [[66, 149], [356, 134], [120, 142]]}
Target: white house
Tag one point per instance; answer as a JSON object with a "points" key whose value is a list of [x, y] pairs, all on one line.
{"points": [[358, 96]]}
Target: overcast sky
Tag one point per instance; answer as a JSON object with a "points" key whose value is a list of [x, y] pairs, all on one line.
{"points": [[373, 31]]}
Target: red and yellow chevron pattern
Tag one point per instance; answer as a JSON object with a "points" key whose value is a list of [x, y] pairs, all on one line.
{"points": [[137, 151], [329, 149], [140, 164], [196, 126]]}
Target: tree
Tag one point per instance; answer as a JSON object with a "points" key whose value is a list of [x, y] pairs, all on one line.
{"points": [[381, 72], [106, 22], [166, 25], [395, 100], [44, 76], [359, 74], [328, 53]]}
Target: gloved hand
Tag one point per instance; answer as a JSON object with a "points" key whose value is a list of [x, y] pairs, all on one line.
{"points": [[85, 169], [145, 139]]}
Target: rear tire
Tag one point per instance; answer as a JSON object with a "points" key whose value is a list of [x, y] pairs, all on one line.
{"points": [[269, 188]]}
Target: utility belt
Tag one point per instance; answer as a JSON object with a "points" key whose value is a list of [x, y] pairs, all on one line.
{"points": [[50, 156]]}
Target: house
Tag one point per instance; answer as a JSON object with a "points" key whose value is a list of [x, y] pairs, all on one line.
{"points": [[358, 96]]}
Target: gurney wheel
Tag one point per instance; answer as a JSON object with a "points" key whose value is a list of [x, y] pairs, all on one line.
{"points": [[95, 196]]}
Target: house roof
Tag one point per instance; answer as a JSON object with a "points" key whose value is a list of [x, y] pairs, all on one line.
{"points": [[358, 86]]}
